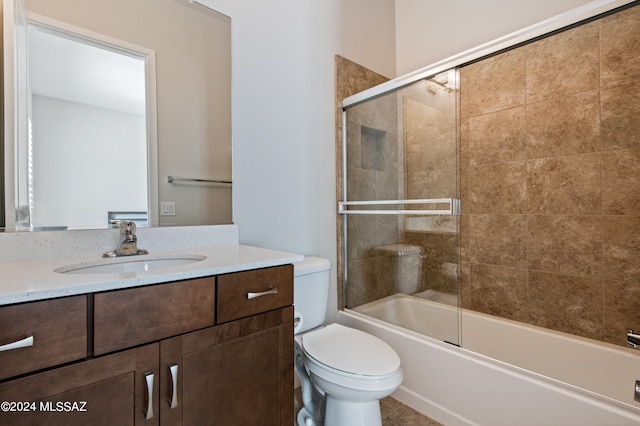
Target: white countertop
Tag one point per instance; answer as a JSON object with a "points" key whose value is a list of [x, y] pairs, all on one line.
{"points": [[32, 280]]}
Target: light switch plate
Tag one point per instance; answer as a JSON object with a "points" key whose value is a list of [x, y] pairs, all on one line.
{"points": [[167, 208]]}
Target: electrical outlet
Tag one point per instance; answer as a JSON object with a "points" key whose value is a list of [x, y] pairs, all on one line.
{"points": [[167, 208]]}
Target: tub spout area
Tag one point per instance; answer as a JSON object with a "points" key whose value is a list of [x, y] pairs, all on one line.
{"points": [[633, 339]]}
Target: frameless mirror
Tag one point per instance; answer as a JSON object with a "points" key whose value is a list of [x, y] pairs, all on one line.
{"points": [[106, 101]]}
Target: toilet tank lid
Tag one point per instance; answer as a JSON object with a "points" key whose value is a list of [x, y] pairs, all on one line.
{"points": [[310, 265]]}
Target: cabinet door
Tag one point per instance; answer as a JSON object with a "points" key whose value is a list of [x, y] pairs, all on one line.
{"points": [[58, 332], [238, 373], [110, 390]]}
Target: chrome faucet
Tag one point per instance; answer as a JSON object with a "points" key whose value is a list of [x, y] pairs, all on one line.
{"points": [[128, 244], [633, 339]]}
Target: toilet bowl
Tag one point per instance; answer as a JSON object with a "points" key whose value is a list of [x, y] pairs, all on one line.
{"points": [[344, 371], [354, 369]]}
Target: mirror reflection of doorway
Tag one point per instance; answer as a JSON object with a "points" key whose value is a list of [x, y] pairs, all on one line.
{"points": [[86, 105]]}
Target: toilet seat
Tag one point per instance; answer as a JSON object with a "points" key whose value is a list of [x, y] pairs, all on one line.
{"points": [[350, 352]]}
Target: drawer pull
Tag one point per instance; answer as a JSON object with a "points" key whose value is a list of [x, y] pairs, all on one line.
{"points": [[27, 341], [272, 290], [173, 369], [148, 377]]}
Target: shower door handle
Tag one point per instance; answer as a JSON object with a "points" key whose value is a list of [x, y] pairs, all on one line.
{"points": [[373, 207]]}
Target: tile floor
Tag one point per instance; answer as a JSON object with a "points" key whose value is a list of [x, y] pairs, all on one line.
{"points": [[394, 413]]}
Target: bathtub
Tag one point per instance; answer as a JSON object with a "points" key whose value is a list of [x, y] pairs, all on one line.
{"points": [[505, 373]]}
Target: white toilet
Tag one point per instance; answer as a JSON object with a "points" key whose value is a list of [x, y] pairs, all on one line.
{"points": [[344, 371]]}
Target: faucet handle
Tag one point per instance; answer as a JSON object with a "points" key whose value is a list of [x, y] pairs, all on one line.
{"points": [[128, 244], [633, 339], [127, 228]]}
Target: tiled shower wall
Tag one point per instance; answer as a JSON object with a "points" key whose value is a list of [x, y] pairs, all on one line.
{"points": [[431, 145], [350, 78], [550, 181], [374, 172]]}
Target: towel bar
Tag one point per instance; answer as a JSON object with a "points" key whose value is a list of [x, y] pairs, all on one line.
{"points": [[172, 179]]}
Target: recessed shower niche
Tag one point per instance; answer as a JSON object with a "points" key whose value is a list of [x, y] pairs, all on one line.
{"points": [[373, 147]]}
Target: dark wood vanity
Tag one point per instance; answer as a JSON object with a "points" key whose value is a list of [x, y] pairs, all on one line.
{"points": [[208, 351]]}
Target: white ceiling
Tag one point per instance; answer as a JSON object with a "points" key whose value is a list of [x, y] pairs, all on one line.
{"points": [[79, 71]]}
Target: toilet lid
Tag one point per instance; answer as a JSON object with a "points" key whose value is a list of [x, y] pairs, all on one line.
{"points": [[350, 350]]}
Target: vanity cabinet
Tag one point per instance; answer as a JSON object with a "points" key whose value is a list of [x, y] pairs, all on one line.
{"points": [[109, 390], [126, 318], [251, 292], [168, 354], [238, 373]]}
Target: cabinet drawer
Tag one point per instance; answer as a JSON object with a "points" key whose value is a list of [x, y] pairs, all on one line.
{"points": [[251, 292], [58, 328], [126, 318]]}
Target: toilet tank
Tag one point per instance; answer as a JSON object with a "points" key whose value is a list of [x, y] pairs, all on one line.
{"points": [[398, 268], [311, 279]]}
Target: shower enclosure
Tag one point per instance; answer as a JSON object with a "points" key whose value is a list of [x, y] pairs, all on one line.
{"points": [[400, 203], [543, 259]]}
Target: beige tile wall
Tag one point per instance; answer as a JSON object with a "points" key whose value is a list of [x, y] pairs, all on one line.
{"points": [[430, 141], [373, 173], [350, 78], [550, 181]]}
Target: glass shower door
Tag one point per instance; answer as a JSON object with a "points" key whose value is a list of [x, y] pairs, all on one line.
{"points": [[400, 206]]}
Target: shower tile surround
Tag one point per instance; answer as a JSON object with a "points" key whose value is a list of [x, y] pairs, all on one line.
{"points": [[350, 78], [549, 182]]}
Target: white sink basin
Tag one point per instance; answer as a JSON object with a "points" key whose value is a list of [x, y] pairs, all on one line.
{"points": [[129, 264]]}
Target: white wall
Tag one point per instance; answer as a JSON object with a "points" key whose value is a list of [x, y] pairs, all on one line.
{"points": [[283, 114], [428, 31], [86, 161], [367, 34]]}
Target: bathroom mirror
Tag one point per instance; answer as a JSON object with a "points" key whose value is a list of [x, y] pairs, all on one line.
{"points": [[182, 115]]}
